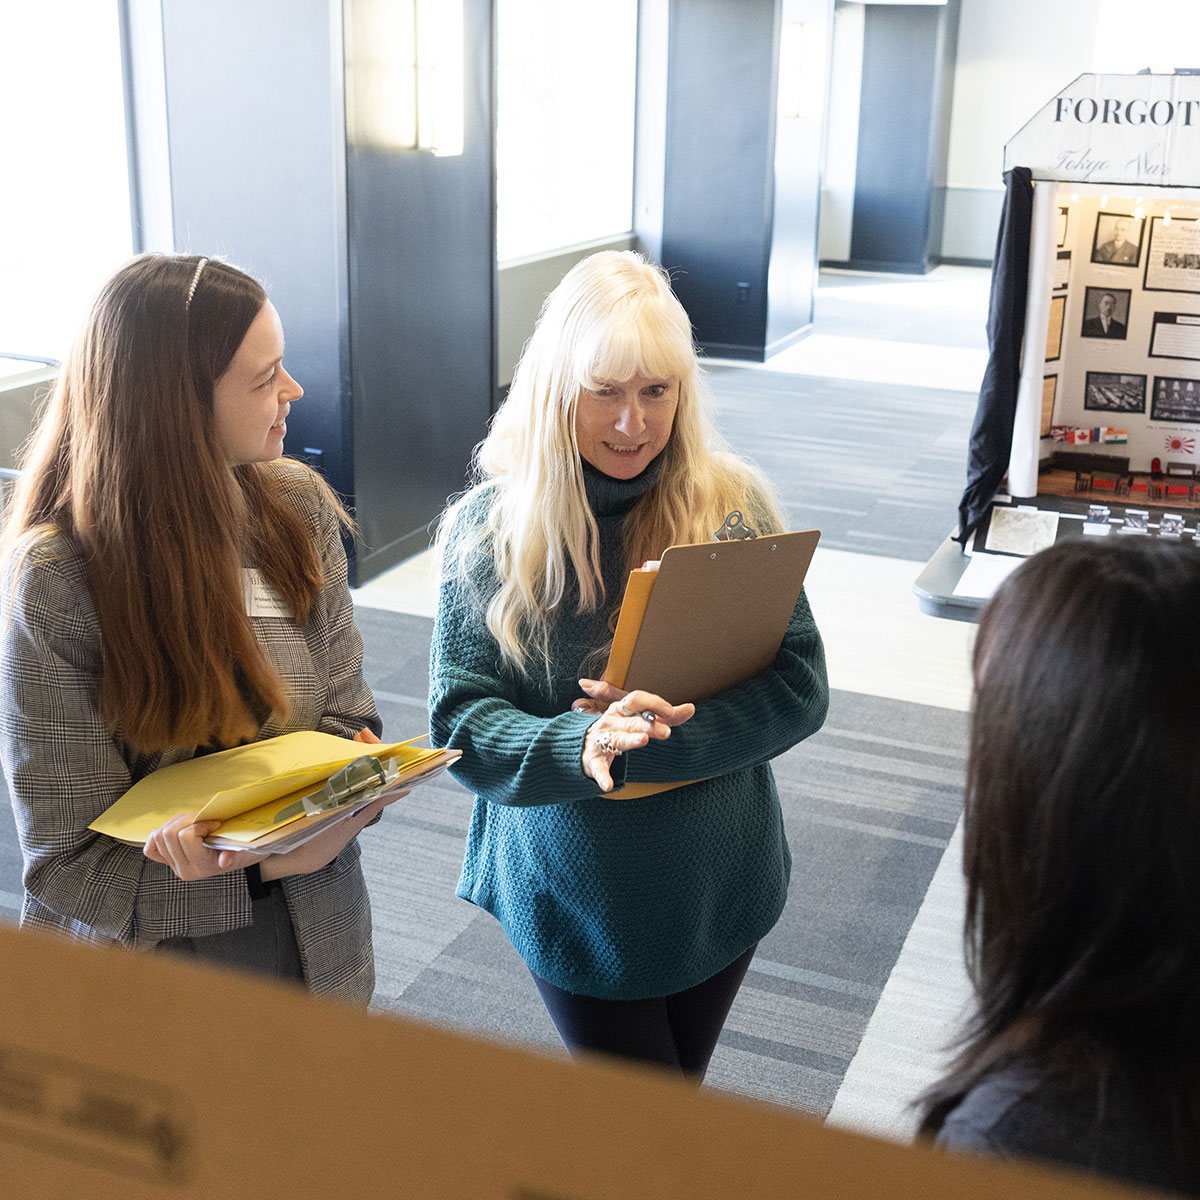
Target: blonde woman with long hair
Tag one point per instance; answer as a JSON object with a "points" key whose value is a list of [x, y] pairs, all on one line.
{"points": [[637, 918], [170, 587]]}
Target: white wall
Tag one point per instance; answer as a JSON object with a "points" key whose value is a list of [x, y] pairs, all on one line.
{"points": [[1013, 55], [523, 286]]}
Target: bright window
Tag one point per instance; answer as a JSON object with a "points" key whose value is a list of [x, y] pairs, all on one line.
{"points": [[64, 206], [565, 97]]}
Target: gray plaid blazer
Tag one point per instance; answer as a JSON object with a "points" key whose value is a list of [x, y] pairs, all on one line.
{"points": [[64, 767]]}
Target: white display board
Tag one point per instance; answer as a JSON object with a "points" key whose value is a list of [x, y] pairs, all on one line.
{"points": [[1112, 342], [1128, 129]]}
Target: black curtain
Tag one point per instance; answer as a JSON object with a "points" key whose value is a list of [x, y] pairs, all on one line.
{"points": [[991, 436]]}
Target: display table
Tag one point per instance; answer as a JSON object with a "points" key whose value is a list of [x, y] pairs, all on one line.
{"points": [[1012, 530], [934, 587]]}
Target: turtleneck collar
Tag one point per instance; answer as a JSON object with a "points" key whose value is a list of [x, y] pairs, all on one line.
{"points": [[611, 497]]}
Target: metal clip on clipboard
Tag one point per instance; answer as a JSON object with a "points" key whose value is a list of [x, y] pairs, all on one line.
{"points": [[361, 780], [735, 528]]}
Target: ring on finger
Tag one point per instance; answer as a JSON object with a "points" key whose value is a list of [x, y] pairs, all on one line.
{"points": [[607, 745]]}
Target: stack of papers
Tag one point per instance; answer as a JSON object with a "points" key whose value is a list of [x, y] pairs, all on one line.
{"points": [[269, 796]]}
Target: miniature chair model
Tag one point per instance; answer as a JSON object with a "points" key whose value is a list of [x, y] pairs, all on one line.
{"points": [[1181, 474], [1185, 469], [1083, 479], [1156, 487], [1124, 484]]}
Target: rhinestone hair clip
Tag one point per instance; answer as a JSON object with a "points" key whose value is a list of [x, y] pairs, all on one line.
{"points": [[195, 280]]}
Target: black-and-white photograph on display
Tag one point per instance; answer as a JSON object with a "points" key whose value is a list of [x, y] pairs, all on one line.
{"points": [[1175, 335], [1020, 531], [1105, 312], [1109, 391], [1118, 240], [1062, 271], [1137, 520], [1173, 256], [1176, 400]]}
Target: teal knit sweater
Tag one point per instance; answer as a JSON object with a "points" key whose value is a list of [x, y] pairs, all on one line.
{"points": [[618, 899]]}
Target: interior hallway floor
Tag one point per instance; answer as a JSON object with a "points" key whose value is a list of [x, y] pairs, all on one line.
{"points": [[863, 427]]}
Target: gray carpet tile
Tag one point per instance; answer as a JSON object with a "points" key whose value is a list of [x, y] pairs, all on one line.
{"points": [[11, 889], [878, 469]]}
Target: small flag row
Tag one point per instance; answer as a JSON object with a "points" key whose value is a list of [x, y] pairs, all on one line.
{"points": [[1074, 436]]}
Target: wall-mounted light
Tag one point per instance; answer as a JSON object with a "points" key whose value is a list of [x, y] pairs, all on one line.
{"points": [[1103, 201], [404, 65], [439, 36], [1167, 217]]}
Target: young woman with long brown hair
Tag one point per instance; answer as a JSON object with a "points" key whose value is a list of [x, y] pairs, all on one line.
{"points": [[1082, 859], [172, 586]]}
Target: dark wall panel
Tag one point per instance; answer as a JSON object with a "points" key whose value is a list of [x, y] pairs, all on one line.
{"points": [[422, 297], [380, 261], [717, 198], [255, 121], [892, 196]]}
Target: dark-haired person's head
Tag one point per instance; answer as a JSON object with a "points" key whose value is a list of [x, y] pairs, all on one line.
{"points": [[1082, 849], [141, 375]]}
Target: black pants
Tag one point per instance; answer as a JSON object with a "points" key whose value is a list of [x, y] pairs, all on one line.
{"points": [[679, 1031], [267, 947]]}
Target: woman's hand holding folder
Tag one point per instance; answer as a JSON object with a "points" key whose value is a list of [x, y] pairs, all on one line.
{"points": [[179, 842], [321, 850]]}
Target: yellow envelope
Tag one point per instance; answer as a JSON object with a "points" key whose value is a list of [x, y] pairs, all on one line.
{"points": [[224, 785]]}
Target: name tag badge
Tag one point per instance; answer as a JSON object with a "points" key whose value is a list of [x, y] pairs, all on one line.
{"points": [[262, 600]]}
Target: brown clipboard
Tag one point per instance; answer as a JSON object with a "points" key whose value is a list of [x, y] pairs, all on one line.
{"points": [[716, 614], [711, 615]]}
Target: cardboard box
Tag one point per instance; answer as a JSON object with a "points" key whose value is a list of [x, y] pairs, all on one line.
{"points": [[134, 1075]]}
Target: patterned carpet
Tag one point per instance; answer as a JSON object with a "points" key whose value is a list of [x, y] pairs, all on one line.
{"points": [[868, 815], [879, 469]]}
